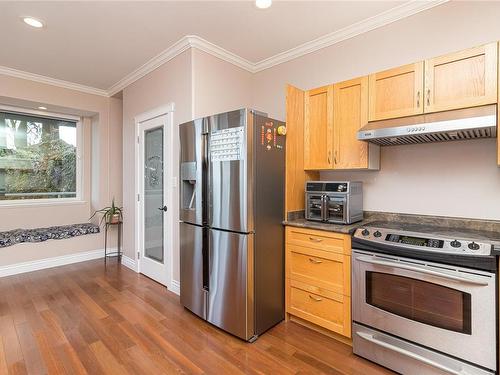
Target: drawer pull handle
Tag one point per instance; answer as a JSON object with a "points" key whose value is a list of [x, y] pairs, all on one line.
{"points": [[314, 239], [315, 261], [315, 299]]}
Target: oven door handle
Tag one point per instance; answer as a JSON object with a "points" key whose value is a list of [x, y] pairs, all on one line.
{"points": [[371, 338], [427, 271]]}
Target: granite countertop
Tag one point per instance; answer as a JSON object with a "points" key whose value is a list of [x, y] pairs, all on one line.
{"points": [[486, 230], [338, 228]]}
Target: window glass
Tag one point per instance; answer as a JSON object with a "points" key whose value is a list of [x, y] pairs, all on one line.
{"points": [[38, 157]]}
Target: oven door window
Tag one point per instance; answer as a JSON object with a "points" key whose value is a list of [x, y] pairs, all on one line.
{"points": [[335, 209], [421, 301], [315, 203]]}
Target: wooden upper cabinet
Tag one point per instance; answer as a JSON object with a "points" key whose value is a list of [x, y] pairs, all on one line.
{"points": [[318, 128], [463, 79], [350, 103], [296, 177], [396, 92]]}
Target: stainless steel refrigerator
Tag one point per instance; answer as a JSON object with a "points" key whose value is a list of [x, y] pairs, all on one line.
{"points": [[232, 168]]}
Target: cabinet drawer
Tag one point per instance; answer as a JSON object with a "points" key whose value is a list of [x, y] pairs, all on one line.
{"points": [[318, 239], [324, 269], [328, 310]]}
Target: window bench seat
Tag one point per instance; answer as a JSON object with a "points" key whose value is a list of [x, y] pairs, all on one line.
{"points": [[12, 237]]}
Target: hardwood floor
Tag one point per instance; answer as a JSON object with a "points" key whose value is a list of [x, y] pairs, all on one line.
{"points": [[87, 319]]}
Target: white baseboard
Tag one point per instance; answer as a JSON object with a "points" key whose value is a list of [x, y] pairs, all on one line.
{"points": [[176, 287], [132, 264], [35, 265], [129, 263]]}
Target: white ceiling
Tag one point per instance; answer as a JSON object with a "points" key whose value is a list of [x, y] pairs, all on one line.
{"points": [[99, 43]]}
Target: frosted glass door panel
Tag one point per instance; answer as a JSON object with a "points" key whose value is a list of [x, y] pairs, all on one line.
{"points": [[153, 194]]}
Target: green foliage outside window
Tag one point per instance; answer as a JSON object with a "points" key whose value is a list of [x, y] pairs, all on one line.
{"points": [[37, 157]]}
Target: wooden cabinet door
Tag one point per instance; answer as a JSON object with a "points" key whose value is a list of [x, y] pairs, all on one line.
{"points": [[296, 176], [318, 128], [350, 103], [463, 79], [396, 92]]}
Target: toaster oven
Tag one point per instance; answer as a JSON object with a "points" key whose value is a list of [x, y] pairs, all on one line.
{"points": [[336, 202]]}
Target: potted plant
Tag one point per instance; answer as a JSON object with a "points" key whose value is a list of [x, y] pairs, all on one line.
{"points": [[111, 215]]}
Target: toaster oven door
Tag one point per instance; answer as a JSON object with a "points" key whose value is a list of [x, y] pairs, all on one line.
{"points": [[335, 210], [314, 207]]}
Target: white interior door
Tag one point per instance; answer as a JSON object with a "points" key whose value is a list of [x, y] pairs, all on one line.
{"points": [[155, 214]]}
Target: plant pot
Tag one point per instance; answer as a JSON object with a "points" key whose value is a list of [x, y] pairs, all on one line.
{"points": [[114, 219]]}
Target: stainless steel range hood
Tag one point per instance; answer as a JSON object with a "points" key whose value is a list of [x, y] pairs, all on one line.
{"points": [[470, 123]]}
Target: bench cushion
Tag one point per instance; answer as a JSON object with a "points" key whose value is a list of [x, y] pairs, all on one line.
{"points": [[16, 236]]}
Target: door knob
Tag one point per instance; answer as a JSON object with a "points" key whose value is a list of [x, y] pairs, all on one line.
{"points": [[164, 208]]}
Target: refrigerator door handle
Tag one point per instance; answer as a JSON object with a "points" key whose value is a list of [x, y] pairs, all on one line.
{"points": [[204, 178], [205, 255]]}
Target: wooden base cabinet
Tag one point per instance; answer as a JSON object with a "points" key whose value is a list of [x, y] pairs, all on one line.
{"points": [[321, 307], [318, 278]]}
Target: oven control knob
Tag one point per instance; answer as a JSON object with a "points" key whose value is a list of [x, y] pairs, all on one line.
{"points": [[473, 246], [377, 234], [455, 243], [365, 232]]}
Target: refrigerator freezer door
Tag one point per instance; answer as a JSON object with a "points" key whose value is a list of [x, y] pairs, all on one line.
{"points": [[230, 296], [230, 166], [193, 255], [193, 171]]}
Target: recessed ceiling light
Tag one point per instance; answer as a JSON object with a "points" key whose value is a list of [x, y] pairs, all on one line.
{"points": [[43, 108], [263, 4], [33, 22]]}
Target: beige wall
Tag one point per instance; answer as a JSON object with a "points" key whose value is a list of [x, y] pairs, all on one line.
{"points": [[455, 179], [115, 150], [218, 86], [105, 113], [171, 83]]}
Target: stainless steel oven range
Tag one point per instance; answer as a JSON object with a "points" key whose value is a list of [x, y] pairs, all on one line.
{"points": [[424, 299], [336, 202]]}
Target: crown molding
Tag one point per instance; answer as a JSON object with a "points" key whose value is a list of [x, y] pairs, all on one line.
{"points": [[188, 41], [223, 54], [174, 50], [52, 81], [392, 15], [193, 41]]}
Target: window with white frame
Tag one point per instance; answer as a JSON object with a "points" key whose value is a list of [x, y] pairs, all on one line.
{"points": [[39, 157]]}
